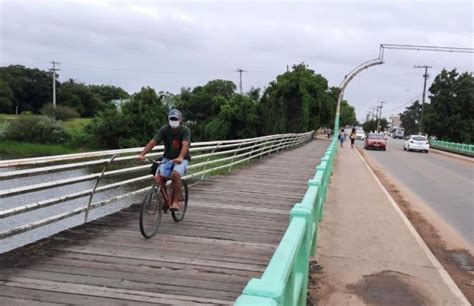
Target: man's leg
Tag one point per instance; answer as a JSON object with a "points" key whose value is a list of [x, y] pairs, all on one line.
{"points": [[178, 172], [176, 186]]}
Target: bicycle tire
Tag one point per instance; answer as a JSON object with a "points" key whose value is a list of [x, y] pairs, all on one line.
{"points": [[179, 215], [151, 212]]}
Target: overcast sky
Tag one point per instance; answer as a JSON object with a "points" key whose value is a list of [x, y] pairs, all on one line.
{"points": [[173, 44]]}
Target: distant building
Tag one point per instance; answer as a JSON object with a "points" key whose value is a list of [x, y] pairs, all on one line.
{"points": [[119, 102], [394, 121]]}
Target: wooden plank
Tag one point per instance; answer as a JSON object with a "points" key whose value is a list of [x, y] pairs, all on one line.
{"points": [[10, 294], [124, 295], [233, 225]]}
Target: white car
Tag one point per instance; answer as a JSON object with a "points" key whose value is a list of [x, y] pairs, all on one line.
{"points": [[360, 134], [417, 143]]}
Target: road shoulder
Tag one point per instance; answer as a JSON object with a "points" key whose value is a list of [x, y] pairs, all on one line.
{"points": [[366, 252]]}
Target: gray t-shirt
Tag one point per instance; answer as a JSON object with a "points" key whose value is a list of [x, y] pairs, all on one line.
{"points": [[173, 140]]}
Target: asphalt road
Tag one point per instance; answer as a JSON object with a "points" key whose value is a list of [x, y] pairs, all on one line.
{"points": [[445, 184]]}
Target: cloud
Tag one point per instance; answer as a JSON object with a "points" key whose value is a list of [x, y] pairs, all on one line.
{"points": [[169, 44]]}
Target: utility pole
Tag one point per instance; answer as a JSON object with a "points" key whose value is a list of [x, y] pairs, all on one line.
{"points": [[425, 76], [53, 70], [239, 70], [379, 115]]}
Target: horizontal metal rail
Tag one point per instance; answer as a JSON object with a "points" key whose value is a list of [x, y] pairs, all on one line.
{"points": [[225, 154]]}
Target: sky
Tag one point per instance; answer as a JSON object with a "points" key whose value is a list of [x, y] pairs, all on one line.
{"points": [[169, 45]]}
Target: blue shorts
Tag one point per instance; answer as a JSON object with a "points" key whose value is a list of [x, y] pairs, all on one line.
{"points": [[166, 167]]}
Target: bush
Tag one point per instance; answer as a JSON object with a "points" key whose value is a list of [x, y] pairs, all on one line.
{"points": [[60, 113], [36, 129]]}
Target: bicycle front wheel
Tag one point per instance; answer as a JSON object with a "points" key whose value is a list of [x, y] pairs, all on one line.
{"points": [[151, 212], [183, 203]]}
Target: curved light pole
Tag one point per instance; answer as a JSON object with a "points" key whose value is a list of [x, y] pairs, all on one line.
{"points": [[345, 82]]}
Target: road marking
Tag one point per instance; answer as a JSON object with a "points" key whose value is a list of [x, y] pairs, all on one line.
{"points": [[437, 265]]}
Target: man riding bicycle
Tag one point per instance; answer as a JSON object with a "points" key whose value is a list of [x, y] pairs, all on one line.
{"points": [[176, 139]]}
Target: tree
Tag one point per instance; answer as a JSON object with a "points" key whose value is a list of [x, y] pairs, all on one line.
{"points": [[410, 118], [450, 115], [106, 93], [6, 96], [371, 125], [237, 119], [297, 101], [254, 93], [347, 115], [202, 104], [31, 88], [79, 97], [134, 126]]}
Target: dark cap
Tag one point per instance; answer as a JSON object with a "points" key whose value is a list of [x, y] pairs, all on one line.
{"points": [[174, 113]]}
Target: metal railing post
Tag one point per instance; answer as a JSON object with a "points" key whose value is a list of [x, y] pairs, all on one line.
{"points": [[207, 161], [96, 184], [232, 160]]}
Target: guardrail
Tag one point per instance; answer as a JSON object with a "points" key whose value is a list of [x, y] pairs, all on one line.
{"points": [[460, 148], [285, 280], [207, 157]]}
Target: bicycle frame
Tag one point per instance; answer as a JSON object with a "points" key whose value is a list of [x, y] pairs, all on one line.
{"points": [[166, 197]]}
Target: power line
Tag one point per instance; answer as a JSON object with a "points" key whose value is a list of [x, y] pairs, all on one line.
{"points": [[379, 115], [240, 70], [53, 70], [425, 76]]}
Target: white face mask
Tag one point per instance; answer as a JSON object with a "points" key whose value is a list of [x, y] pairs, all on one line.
{"points": [[174, 124]]}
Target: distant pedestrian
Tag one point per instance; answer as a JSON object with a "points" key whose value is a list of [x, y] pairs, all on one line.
{"points": [[329, 133], [342, 137], [353, 137]]}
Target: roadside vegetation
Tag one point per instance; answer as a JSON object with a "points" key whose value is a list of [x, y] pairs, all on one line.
{"points": [[450, 114], [89, 117]]}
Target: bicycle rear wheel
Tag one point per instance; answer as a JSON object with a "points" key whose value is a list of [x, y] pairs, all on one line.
{"points": [[183, 204], [151, 212]]}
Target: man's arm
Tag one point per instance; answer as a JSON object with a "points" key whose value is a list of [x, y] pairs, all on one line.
{"points": [[182, 154], [150, 145]]}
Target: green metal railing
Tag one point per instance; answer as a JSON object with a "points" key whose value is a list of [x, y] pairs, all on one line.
{"points": [[465, 149], [285, 280]]}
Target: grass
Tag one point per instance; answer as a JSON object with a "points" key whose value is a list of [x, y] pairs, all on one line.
{"points": [[24, 149], [16, 149], [77, 125]]}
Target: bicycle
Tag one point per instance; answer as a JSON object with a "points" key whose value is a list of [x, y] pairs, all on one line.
{"points": [[158, 201]]}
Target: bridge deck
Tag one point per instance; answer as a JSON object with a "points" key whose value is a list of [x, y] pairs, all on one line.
{"points": [[233, 225]]}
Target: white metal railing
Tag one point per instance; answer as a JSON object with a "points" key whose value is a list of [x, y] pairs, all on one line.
{"points": [[207, 157]]}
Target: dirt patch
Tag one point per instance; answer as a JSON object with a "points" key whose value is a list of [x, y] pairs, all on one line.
{"points": [[389, 288], [318, 285], [458, 262]]}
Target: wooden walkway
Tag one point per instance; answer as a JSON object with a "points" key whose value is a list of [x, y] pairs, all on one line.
{"points": [[233, 225]]}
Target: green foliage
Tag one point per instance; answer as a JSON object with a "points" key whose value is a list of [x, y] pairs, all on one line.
{"points": [[134, 126], [202, 104], [450, 115], [410, 118], [36, 129], [347, 115], [6, 96], [254, 93], [30, 88], [60, 113], [79, 97], [296, 102], [371, 125], [237, 119], [106, 93], [25, 149]]}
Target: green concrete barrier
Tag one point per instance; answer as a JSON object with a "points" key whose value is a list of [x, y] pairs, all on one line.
{"points": [[460, 148], [285, 280]]}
